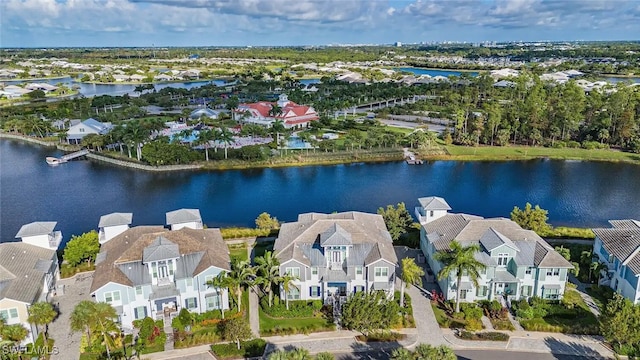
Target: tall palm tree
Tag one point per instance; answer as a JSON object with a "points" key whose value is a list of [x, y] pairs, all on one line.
{"points": [[287, 284], [103, 319], [204, 138], [42, 314], [240, 277], [226, 136], [15, 334], [459, 260], [80, 315], [268, 273], [402, 354], [411, 275], [221, 281]]}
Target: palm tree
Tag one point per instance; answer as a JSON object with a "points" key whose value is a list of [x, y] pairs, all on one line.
{"points": [[204, 138], [240, 276], [411, 275], [222, 281], [287, 284], [103, 320], [402, 354], [459, 260], [42, 314], [79, 316], [268, 273], [226, 137], [15, 334]]}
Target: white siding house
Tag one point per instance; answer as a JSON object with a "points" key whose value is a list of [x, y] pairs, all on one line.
{"points": [[41, 233], [77, 132], [181, 218], [113, 224], [334, 255]]}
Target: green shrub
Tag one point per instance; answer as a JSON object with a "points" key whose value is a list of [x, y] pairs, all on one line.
{"points": [[473, 325], [248, 349], [471, 311], [573, 144], [486, 336], [297, 309]]}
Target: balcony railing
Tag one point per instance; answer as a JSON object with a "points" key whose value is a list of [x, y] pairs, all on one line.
{"points": [[55, 239], [421, 218]]}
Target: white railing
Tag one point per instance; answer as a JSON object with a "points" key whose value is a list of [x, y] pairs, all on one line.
{"points": [[55, 239], [421, 219]]}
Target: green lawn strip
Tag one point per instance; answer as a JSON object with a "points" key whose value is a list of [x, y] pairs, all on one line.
{"points": [[248, 349], [530, 152], [570, 316], [564, 232], [238, 252], [600, 295], [67, 271], [274, 326], [502, 324], [444, 320]]}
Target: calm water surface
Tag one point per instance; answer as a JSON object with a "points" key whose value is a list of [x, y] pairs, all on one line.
{"points": [[76, 194]]}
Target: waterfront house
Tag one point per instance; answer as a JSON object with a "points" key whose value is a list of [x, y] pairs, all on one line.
{"points": [[334, 255], [178, 219], [204, 112], [153, 271], [113, 224], [519, 263], [291, 114], [619, 248], [28, 274], [77, 132]]}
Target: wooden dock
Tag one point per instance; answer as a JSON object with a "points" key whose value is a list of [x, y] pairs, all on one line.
{"points": [[61, 160]]}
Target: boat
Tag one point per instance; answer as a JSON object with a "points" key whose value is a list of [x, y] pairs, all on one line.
{"points": [[411, 160], [53, 160]]}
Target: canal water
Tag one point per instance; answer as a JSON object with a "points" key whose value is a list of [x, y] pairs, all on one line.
{"points": [[77, 193]]}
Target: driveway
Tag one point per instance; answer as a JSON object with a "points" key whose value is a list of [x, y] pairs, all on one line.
{"points": [[76, 289]]}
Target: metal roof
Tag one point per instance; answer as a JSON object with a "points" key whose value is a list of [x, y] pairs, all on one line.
{"points": [[182, 216], [36, 228], [23, 269], [434, 203], [160, 249], [115, 219]]}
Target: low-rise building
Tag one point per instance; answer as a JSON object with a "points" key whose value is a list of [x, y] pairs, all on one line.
{"points": [[113, 224], [519, 263], [619, 248], [28, 273], [77, 132], [266, 113], [178, 219], [334, 255]]}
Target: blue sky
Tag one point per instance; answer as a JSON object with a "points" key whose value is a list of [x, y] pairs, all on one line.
{"points": [[56, 23]]}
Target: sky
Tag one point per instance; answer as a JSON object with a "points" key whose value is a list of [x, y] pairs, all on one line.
{"points": [[112, 23]]}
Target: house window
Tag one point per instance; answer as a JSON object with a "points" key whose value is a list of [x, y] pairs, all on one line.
{"points": [[610, 258], [431, 213], [314, 291], [293, 271], [154, 270], [336, 256], [358, 288], [526, 290], [113, 296], [138, 290], [189, 281], [549, 272], [314, 271], [170, 266], [213, 302], [463, 294], [503, 259], [207, 281], [481, 291], [528, 271], [551, 294], [359, 270], [81, 130], [9, 314], [140, 312], [191, 303], [293, 294], [483, 271], [556, 272], [381, 271]]}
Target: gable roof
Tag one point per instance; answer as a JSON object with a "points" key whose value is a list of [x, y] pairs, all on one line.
{"points": [[492, 239], [36, 228], [197, 249], [115, 219], [182, 216], [623, 242], [366, 233], [434, 203], [23, 269]]}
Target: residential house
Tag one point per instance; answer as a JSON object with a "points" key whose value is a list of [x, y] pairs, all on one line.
{"points": [[77, 132], [519, 263], [204, 112], [162, 77], [113, 224], [28, 274], [334, 255], [136, 77], [153, 271], [291, 114], [619, 248], [41, 234], [178, 219]]}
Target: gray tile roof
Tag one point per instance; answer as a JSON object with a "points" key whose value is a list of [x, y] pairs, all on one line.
{"points": [[335, 235], [36, 228], [201, 248], [115, 219], [470, 229], [22, 270], [295, 238], [623, 242], [335, 275], [183, 216], [434, 203]]}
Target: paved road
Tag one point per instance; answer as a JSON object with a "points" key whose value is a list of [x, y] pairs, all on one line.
{"points": [[471, 355]]}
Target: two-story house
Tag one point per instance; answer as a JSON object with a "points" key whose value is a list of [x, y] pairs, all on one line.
{"points": [[619, 248], [28, 273], [519, 263], [77, 132], [180, 218], [336, 255], [153, 271]]}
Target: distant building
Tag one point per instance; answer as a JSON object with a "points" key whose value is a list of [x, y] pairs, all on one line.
{"points": [[77, 132], [204, 112], [291, 114]]}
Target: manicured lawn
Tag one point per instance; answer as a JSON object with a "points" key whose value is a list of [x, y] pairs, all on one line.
{"points": [[276, 326], [238, 252], [248, 349], [528, 152], [600, 295], [444, 320]]}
